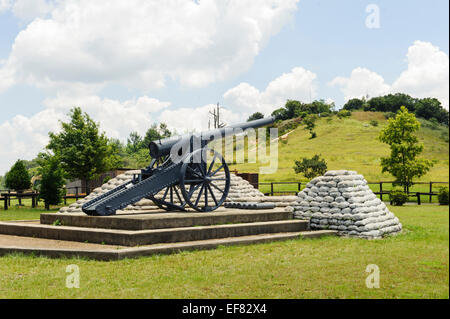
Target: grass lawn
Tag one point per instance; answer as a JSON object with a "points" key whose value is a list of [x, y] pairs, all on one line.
{"points": [[414, 264]]}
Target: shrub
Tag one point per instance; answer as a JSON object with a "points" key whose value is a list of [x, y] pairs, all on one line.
{"points": [[443, 195], [344, 113], [389, 115], [374, 123], [398, 197], [106, 179], [311, 167]]}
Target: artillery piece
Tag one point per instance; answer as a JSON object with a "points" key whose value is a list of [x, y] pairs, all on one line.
{"points": [[183, 168]]}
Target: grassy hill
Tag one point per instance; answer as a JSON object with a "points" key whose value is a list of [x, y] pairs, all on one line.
{"points": [[352, 143]]}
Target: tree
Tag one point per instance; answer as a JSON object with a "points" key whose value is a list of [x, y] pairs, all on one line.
{"points": [[403, 163], [279, 114], [18, 177], [155, 133], [255, 116], [354, 104], [311, 167], [83, 151], [134, 143], [51, 189]]}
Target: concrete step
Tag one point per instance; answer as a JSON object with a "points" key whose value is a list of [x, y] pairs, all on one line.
{"points": [[159, 220], [100, 253], [151, 236]]}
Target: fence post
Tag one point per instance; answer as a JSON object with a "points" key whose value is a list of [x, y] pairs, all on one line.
{"points": [[76, 193], [299, 186], [418, 198], [431, 191], [381, 191], [271, 188]]}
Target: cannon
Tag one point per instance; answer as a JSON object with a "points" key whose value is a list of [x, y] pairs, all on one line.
{"points": [[184, 172]]}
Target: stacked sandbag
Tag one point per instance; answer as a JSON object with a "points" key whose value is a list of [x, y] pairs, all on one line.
{"points": [[342, 200], [111, 184], [240, 191]]}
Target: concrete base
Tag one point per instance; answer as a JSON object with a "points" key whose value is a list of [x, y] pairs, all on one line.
{"points": [[158, 232]]}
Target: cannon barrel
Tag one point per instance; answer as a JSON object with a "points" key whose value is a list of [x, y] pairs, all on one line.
{"points": [[162, 147]]}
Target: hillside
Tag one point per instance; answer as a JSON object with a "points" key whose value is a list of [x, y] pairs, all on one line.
{"points": [[351, 143]]}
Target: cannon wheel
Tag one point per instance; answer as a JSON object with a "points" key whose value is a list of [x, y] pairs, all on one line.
{"points": [[171, 193], [203, 177]]}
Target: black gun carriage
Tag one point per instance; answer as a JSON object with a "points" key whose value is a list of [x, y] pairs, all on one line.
{"points": [[183, 172]]}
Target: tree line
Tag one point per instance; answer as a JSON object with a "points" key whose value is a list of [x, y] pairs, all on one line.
{"points": [[80, 151], [427, 108]]}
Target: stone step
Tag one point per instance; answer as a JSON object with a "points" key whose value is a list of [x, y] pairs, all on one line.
{"points": [[151, 236], [120, 253], [159, 220]]}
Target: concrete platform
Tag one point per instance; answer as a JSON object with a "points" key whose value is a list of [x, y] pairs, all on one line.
{"points": [[140, 234], [59, 249], [156, 219]]}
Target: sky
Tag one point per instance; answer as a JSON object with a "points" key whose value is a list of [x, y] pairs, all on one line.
{"points": [[132, 63]]}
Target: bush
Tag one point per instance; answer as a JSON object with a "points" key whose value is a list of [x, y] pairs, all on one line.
{"points": [[398, 197], [443, 195], [106, 179], [374, 123], [344, 113], [389, 115], [311, 167]]}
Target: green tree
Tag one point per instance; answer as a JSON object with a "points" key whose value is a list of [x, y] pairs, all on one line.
{"points": [[51, 189], [311, 167], [84, 152], [354, 104], [134, 143], [18, 177], [155, 133], [255, 116], [403, 163], [280, 114]]}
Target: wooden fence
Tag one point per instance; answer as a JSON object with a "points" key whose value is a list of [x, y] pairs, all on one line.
{"points": [[382, 190]]}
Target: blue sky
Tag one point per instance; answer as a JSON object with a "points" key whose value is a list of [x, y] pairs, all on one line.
{"points": [[249, 57]]}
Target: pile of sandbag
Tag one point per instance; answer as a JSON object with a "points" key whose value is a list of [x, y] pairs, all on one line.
{"points": [[342, 201]]}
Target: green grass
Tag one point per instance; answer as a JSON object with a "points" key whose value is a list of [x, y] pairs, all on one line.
{"points": [[414, 264], [352, 144], [16, 212]]}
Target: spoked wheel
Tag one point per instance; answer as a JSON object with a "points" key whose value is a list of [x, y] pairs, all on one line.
{"points": [[169, 198], [205, 182]]}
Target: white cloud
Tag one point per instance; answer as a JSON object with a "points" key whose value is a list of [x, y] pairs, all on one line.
{"points": [[196, 119], [299, 84], [361, 82], [142, 43], [5, 5], [427, 75], [25, 137], [28, 10]]}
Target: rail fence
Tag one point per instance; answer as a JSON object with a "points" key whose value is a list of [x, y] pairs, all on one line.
{"points": [[417, 190]]}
